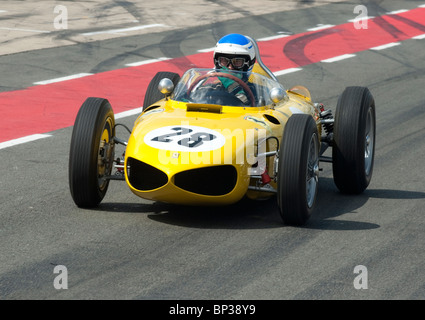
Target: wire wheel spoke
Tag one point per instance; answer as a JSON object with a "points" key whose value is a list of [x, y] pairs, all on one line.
{"points": [[369, 142], [312, 171]]}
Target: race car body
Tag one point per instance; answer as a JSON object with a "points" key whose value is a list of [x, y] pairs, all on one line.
{"points": [[214, 136], [200, 145]]}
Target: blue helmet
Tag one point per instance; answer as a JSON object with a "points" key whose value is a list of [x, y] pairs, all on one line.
{"points": [[236, 49]]}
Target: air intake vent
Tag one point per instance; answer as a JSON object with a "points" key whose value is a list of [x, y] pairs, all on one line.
{"points": [[210, 181], [271, 119], [144, 177]]}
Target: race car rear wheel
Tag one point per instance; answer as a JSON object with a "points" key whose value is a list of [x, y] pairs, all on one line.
{"points": [[152, 93], [353, 148], [92, 152], [298, 169]]}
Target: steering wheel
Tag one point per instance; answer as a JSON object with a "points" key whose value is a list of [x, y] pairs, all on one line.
{"points": [[244, 86]]}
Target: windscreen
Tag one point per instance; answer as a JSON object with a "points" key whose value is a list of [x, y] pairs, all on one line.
{"points": [[225, 87]]}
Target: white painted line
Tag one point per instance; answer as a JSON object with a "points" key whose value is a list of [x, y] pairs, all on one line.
{"points": [[38, 136], [386, 46], [361, 18], [128, 113], [339, 58], [397, 11], [2, 11], [422, 6], [114, 31], [286, 71], [321, 26], [207, 50], [74, 76], [273, 37], [421, 36], [25, 30], [139, 63], [26, 139]]}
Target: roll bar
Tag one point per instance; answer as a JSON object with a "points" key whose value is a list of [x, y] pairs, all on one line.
{"points": [[259, 61]]}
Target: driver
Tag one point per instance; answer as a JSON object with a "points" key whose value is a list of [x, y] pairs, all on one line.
{"points": [[235, 52]]}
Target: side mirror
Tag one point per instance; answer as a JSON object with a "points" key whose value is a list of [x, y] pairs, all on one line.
{"points": [[166, 86], [277, 94]]}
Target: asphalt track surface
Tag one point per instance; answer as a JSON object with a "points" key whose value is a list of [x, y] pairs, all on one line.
{"points": [[129, 248]]}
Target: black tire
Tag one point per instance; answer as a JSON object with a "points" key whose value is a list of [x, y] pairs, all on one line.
{"points": [[298, 169], [92, 152], [353, 148], [152, 93]]}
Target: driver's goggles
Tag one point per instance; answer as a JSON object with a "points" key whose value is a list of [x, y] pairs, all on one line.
{"points": [[236, 62]]}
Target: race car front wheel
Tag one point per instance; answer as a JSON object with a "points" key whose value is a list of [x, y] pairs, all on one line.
{"points": [[353, 148], [298, 169], [92, 152]]}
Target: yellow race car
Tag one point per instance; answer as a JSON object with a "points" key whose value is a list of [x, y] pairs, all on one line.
{"points": [[197, 144]]}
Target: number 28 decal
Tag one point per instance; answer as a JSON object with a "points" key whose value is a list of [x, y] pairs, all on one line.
{"points": [[184, 138]]}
